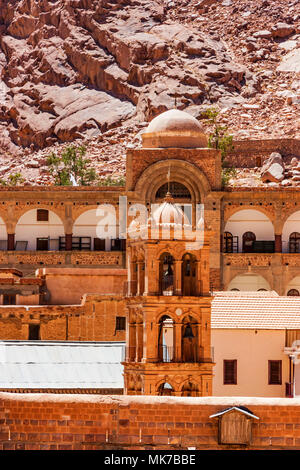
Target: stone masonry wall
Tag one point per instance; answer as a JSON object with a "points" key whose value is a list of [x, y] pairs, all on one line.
{"points": [[252, 153], [85, 422]]}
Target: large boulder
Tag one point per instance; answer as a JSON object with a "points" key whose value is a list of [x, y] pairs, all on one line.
{"points": [[282, 30], [273, 169]]}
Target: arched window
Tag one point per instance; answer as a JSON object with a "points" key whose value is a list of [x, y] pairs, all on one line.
{"points": [[166, 339], [165, 389], [189, 335], [166, 274], [188, 275], [237, 290], [189, 390], [294, 242], [248, 242], [178, 191], [293, 292]]}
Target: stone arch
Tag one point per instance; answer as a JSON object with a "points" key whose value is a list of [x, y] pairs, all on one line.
{"points": [[230, 211], [163, 382], [28, 229], [189, 274], [250, 220], [3, 234], [293, 283], [20, 212], [190, 334], [248, 281], [190, 389], [166, 339], [181, 171], [291, 224], [88, 224], [285, 215]]}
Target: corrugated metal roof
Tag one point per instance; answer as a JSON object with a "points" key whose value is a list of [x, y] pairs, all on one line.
{"points": [[255, 310], [60, 365]]}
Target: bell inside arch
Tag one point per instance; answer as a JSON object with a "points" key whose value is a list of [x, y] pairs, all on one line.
{"points": [[188, 332]]}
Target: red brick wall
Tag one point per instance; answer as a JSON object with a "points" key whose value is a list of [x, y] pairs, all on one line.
{"points": [[98, 422]]}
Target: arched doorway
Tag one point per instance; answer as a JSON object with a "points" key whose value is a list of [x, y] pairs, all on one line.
{"points": [[248, 242], [189, 335], [166, 274], [189, 275], [166, 339]]}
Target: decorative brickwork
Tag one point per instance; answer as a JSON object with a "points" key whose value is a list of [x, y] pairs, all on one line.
{"points": [[97, 259]]}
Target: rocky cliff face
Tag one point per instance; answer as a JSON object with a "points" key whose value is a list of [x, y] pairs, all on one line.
{"points": [[99, 69]]}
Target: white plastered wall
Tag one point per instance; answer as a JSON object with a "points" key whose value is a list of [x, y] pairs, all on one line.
{"points": [[3, 232], [293, 284], [252, 349], [249, 282], [29, 229], [86, 226]]}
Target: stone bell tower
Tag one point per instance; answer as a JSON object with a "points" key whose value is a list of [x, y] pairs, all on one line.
{"points": [[168, 337]]}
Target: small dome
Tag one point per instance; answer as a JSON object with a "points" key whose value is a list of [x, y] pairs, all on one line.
{"points": [[176, 129]]}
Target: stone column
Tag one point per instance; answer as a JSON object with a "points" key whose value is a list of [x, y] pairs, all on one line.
{"points": [[10, 241], [131, 343], [139, 342], [178, 277], [177, 342], [69, 241], [278, 244], [140, 273]]}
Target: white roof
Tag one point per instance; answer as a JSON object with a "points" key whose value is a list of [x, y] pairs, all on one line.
{"points": [[255, 310], [60, 365]]}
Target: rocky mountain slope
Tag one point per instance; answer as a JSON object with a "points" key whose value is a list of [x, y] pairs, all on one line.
{"points": [[98, 70]]}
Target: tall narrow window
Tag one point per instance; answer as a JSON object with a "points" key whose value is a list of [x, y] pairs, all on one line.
{"points": [[230, 372], [275, 372], [42, 215], [228, 242], [34, 332]]}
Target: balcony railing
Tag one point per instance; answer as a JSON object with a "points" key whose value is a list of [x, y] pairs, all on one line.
{"points": [[257, 246], [168, 354]]}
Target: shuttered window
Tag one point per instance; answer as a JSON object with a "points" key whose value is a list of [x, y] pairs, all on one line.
{"points": [[230, 372], [120, 323], [42, 215], [275, 372]]}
